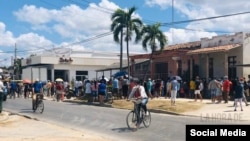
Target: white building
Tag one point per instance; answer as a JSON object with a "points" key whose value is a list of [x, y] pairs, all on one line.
{"points": [[68, 64], [224, 55]]}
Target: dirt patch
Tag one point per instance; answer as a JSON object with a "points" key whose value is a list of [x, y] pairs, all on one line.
{"points": [[162, 104]]}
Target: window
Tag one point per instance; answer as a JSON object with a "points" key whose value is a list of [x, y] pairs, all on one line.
{"points": [[232, 67], [179, 69], [81, 75], [81, 72], [211, 67]]}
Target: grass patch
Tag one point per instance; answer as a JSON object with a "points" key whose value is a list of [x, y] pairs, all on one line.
{"points": [[160, 104]]}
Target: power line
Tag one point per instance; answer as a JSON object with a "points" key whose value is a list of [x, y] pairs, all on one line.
{"points": [[202, 19]]}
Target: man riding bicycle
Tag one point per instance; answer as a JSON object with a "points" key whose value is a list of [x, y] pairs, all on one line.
{"points": [[139, 93], [36, 89]]}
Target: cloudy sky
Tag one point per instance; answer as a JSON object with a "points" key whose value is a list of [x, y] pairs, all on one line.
{"points": [[34, 26]]}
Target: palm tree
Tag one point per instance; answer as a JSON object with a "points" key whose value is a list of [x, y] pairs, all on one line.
{"points": [[151, 36], [123, 19], [118, 23], [132, 25]]}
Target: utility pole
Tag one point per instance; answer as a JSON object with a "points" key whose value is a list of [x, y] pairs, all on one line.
{"points": [[173, 22], [14, 63]]}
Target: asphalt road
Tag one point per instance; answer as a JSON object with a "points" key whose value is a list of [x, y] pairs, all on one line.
{"points": [[107, 121]]}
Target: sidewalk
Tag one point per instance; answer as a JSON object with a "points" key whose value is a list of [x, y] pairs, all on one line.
{"points": [[221, 111], [19, 128]]}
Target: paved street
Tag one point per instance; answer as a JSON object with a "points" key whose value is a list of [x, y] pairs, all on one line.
{"points": [[161, 123]]}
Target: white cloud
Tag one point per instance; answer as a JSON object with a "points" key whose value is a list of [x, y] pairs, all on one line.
{"points": [[75, 24], [34, 15], [193, 9], [6, 36]]}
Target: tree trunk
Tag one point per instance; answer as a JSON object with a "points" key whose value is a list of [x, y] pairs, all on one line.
{"points": [[128, 55], [149, 65], [121, 50]]}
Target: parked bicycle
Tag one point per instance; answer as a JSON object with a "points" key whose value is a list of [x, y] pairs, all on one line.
{"points": [[132, 118], [39, 105], [109, 98]]}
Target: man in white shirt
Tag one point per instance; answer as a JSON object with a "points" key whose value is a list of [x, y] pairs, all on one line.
{"points": [[139, 93]]}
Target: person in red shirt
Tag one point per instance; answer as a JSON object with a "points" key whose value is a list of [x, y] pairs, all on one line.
{"points": [[59, 91], [227, 84]]}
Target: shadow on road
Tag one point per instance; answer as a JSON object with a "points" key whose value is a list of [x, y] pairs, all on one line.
{"points": [[122, 130]]}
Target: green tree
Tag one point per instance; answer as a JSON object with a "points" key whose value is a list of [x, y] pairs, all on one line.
{"points": [[18, 68], [152, 37], [118, 23], [124, 19], [132, 25]]}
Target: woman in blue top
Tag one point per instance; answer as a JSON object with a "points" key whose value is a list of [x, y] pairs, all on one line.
{"points": [[102, 91]]}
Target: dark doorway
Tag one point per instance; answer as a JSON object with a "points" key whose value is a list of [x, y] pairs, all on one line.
{"points": [[161, 70]]}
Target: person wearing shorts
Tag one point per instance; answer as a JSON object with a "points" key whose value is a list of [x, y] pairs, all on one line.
{"points": [[198, 88], [212, 86], [102, 92]]}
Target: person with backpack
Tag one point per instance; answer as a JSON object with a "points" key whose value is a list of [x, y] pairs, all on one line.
{"points": [[139, 93]]}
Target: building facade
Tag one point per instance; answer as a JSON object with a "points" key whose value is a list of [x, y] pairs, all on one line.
{"points": [[68, 65], [207, 58]]}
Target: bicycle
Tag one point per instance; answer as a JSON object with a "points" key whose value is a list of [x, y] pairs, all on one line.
{"points": [[133, 114], [108, 98], [39, 105]]}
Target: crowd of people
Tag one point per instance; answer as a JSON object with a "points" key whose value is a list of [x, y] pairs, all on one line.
{"points": [[218, 89]]}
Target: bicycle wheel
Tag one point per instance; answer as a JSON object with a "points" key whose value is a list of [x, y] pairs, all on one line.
{"points": [[110, 98], [40, 106], [146, 119], [131, 120]]}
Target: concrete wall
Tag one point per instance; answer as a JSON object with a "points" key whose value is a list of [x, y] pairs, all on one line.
{"points": [[222, 40]]}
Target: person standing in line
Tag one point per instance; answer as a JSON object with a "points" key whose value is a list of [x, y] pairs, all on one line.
{"points": [[94, 90], [174, 89], [226, 86], [115, 87], [168, 89], [244, 84], [239, 91], [59, 91], [120, 88], [102, 92], [88, 92], [1, 94], [198, 89], [219, 91], [125, 87], [103, 80], [149, 88], [191, 88], [48, 85], [26, 90], [212, 86]]}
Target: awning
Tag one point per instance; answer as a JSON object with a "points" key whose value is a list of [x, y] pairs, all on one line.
{"points": [[222, 48], [243, 65]]}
